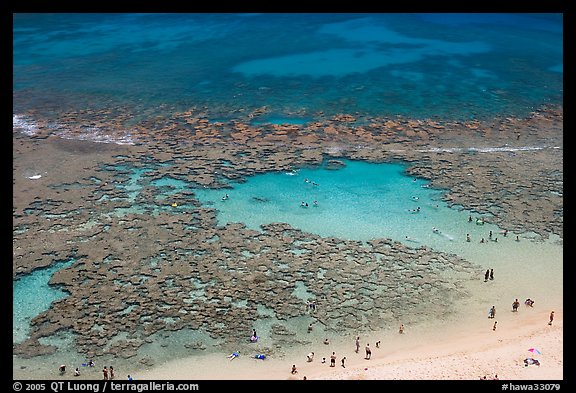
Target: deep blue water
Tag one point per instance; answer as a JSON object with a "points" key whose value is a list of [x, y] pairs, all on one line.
{"points": [[416, 65]]}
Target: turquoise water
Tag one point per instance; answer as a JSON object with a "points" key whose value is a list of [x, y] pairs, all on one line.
{"points": [[134, 67], [360, 201], [417, 65], [33, 295], [280, 120]]}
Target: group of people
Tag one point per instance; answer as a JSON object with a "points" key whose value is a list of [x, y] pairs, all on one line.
{"points": [[333, 358], [108, 373], [515, 305]]}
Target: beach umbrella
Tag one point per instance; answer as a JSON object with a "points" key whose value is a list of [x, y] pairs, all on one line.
{"points": [[535, 351]]}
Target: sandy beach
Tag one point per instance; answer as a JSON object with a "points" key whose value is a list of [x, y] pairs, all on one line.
{"points": [[473, 356], [469, 355]]}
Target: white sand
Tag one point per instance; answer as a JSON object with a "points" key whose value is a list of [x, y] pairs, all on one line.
{"points": [[468, 355]]}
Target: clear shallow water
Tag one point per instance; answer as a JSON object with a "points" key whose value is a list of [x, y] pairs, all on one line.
{"points": [[360, 201], [418, 65], [363, 201], [33, 295]]}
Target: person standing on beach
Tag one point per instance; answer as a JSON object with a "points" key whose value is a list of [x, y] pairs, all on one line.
{"points": [[111, 372], [491, 274], [294, 371], [515, 305], [551, 318], [486, 275], [401, 330], [310, 356], [343, 360], [368, 352], [333, 359], [105, 372], [357, 344], [494, 327], [492, 312]]}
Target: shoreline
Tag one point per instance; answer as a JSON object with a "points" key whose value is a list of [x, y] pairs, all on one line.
{"points": [[468, 355], [516, 272]]}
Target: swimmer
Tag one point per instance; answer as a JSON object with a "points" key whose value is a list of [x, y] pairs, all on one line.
{"points": [[315, 203], [435, 230], [415, 198], [468, 237], [225, 197]]}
